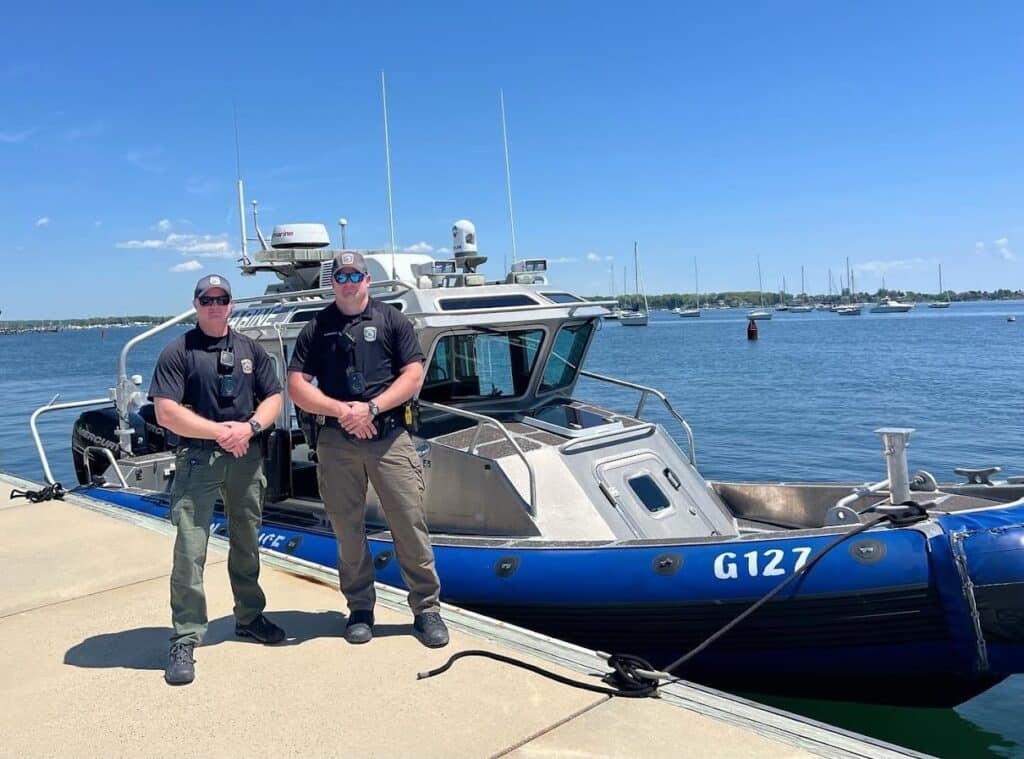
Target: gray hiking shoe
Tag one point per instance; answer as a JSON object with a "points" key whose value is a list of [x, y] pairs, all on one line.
{"points": [[181, 666], [431, 628]]}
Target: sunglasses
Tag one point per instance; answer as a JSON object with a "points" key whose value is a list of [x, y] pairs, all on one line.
{"points": [[355, 277], [209, 300]]}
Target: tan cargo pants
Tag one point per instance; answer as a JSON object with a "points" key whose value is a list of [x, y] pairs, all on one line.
{"points": [[394, 468]]}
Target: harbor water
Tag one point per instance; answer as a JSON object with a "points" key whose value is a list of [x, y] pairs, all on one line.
{"points": [[798, 404]]}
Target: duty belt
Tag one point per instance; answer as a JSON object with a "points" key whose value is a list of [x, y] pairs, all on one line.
{"points": [[385, 424]]}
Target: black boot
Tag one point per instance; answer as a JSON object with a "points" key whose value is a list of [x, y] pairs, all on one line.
{"points": [[261, 629], [432, 630], [181, 666]]}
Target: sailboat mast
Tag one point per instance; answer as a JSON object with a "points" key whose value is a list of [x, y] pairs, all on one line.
{"points": [[760, 287], [636, 269], [696, 283]]}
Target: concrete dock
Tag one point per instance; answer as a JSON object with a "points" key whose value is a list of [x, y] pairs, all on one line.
{"points": [[84, 625]]}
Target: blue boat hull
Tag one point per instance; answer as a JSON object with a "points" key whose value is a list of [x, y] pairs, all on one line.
{"points": [[899, 615]]}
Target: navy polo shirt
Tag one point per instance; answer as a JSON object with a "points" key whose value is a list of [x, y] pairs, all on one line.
{"points": [[189, 366], [377, 343]]}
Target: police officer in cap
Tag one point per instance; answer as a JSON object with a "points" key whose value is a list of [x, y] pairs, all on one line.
{"points": [[217, 390], [367, 363]]}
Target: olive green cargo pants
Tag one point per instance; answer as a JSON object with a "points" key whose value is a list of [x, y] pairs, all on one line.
{"points": [[392, 465], [202, 475]]}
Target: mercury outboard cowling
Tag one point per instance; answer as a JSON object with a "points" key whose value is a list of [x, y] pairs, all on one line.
{"points": [[98, 428], [158, 439]]}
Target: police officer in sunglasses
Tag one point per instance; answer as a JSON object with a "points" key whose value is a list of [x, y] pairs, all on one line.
{"points": [[367, 363], [217, 390]]}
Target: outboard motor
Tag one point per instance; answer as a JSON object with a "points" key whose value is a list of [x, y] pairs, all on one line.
{"points": [[98, 428], [158, 439]]}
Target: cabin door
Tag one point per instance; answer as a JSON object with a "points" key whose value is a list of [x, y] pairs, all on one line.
{"points": [[654, 500]]}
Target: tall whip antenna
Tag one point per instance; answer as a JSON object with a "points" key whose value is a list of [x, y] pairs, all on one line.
{"points": [[241, 191], [508, 176], [387, 158]]}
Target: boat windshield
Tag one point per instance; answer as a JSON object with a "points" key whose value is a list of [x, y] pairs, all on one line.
{"points": [[566, 356], [482, 365]]}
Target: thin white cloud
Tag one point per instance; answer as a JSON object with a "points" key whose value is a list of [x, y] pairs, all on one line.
{"points": [[442, 251], [881, 267], [420, 247], [596, 258], [563, 260], [1001, 249], [164, 225], [204, 246], [147, 160], [192, 265], [42, 221], [201, 185], [12, 137], [98, 223], [80, 133]]}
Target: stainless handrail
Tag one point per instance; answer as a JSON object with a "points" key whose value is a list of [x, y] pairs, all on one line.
{"points": [[481, 420], [644, 391], [607, 438], [51, 406], [113, 463]]}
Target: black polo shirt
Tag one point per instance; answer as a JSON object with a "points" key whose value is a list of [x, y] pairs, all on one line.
{"points": [[377, 343], [189, 366]]}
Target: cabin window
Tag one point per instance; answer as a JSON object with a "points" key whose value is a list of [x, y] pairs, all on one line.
{"points": [[563, 297], [566, 356], [650, 495], [485, 301], [481, 365]]}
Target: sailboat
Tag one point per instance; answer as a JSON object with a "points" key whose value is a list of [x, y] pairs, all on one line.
{"points": [[692, 312], [802, 307], [761, 313], [940, 303], [635, 318], [781, 306]]}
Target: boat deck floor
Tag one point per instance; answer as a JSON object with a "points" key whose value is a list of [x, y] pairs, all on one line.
{"points": [[84, 623]]}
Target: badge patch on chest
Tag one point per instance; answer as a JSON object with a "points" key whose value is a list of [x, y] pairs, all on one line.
{"points": [[246, 365], [369, 334]]}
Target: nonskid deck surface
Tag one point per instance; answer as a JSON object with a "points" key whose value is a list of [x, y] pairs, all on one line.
{"points": [[84, 619]]}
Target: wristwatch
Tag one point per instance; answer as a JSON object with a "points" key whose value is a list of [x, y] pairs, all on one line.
{"points": [[374, 410], [257, 428]]}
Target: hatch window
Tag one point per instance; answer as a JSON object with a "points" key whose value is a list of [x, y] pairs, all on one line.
{"points": [[485, 301], [566, 356], [482, 365], [650, 495]]}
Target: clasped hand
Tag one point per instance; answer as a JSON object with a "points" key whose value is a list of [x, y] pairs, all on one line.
{"points": [[355, 418], [234, 437]]}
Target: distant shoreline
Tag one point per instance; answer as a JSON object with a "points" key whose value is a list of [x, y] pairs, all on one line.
{"points": [[733, 299]]}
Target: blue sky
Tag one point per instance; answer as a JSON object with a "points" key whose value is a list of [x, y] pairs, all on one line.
{"points": [[797, 132]]}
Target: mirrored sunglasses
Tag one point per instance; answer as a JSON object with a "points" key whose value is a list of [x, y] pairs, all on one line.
{"points": [[355, 277], [209, 300]]}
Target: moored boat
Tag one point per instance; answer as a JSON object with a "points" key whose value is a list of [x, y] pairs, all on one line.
{"points": [[594, 525]]}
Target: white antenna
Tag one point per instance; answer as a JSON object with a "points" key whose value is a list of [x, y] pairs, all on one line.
{"points": [[508, 176], [387, 158], [241, 191]]}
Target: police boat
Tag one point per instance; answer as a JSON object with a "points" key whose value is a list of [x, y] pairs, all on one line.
{"points": [[559, 515]]}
